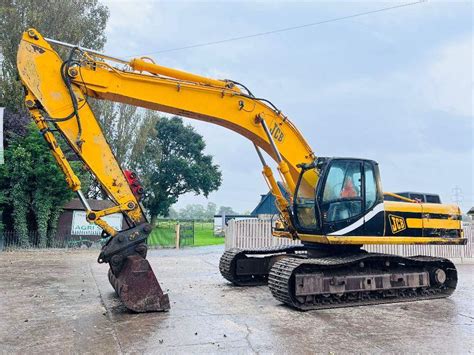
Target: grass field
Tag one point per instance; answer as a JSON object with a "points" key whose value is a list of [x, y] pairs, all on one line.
{"points": [[164, 234], [206, 237]]}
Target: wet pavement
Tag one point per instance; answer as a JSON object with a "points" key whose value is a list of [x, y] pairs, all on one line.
{"points": [[53, 301]]}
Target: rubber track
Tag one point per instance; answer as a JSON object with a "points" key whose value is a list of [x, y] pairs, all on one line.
{"points": [[228, 262], [281, 274]]}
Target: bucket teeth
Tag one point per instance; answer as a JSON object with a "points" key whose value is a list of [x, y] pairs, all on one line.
{"points": [[137, 286]]}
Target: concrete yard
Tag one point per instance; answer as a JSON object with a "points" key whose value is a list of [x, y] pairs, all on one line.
{"points": [[56, 302]]}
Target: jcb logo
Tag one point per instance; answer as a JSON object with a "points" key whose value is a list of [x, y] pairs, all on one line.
{"points": [[397, 223], [276, 132]]}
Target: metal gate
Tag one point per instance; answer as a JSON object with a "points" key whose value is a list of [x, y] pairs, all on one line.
{"points": [[186, 233]]}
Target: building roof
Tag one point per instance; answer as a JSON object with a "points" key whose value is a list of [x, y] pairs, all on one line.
{"points": [[75, 204], [267, 202]]}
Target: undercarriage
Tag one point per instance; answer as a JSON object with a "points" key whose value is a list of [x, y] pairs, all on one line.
{"points": [[313, 277]]}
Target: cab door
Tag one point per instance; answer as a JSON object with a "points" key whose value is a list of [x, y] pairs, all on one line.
{"points": [[374, 215]]}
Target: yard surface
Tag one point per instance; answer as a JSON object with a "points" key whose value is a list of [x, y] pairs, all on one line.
{"points": [[61, 302]]}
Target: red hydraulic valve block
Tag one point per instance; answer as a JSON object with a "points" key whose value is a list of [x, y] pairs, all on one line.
{"points": [[134, 183]]}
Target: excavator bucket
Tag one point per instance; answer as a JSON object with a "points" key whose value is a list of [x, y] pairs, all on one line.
{"points": [[130, 273], [137, 286]]}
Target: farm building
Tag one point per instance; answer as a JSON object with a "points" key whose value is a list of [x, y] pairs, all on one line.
{"points": [[267, 206]]}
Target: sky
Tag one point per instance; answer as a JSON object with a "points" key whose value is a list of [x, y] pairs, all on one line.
{"points": [[393, 86]]}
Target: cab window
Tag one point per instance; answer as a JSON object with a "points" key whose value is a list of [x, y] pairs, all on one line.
{"points": [[342, 193], [305, 203], [370, 186], [343, 181]]}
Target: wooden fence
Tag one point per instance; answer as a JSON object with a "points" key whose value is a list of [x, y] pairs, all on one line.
{"points": [[257, 233]]}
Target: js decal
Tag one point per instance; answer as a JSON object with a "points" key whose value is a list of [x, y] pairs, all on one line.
{"points": [[276, 132], [397, 223]]}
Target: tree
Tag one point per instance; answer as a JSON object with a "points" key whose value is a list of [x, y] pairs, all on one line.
{"points": [[75, 21], [145, 131], [173, 163], [31, 185], [122, 126], [211, 210], [173, 214], [227, 211], [15, 125], [194, 211]]}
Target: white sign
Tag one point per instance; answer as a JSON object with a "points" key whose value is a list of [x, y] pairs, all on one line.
{"points": [[2, 158], [80, 226]]}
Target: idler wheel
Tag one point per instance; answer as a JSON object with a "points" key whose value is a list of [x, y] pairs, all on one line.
{"points": [[439, 276]]}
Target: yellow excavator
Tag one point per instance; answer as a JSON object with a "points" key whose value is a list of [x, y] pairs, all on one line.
{"points": [[335, 206]]}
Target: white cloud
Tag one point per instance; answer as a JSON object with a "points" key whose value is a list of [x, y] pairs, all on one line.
{"points": [[443, 81], [447, 85]]}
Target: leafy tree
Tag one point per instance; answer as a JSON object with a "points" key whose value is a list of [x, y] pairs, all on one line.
{"points": [[75, 21], [211, 210], [145, 131], [122, 125], [173, 214], [33, 185], [194, 211], [15, 125], [18, 192], [173, 163], [197, 211], [226, 210]]}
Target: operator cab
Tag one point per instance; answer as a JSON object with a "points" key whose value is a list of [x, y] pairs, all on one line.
{"points": [[347, 191]]}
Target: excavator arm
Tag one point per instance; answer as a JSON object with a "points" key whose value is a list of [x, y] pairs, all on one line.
{"points": [[56, 94], [60, 89]]}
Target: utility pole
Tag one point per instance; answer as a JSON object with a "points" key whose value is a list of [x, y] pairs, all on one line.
{"points": [[457, 195]]}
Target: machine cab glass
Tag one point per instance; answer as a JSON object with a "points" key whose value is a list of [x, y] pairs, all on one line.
{"points": [[342, 191], [347, 189]]}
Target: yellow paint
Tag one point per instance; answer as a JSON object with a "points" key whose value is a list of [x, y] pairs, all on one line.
{"points": [[39, 68], [395, 206], [141, 65], [441, 208], [399, 197], [414, 223], [112, 210], [175, 92], [170, 91], [282, 203], [71, 178], [378, 240], [437, 208], [433, 223], [106, 227]]}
